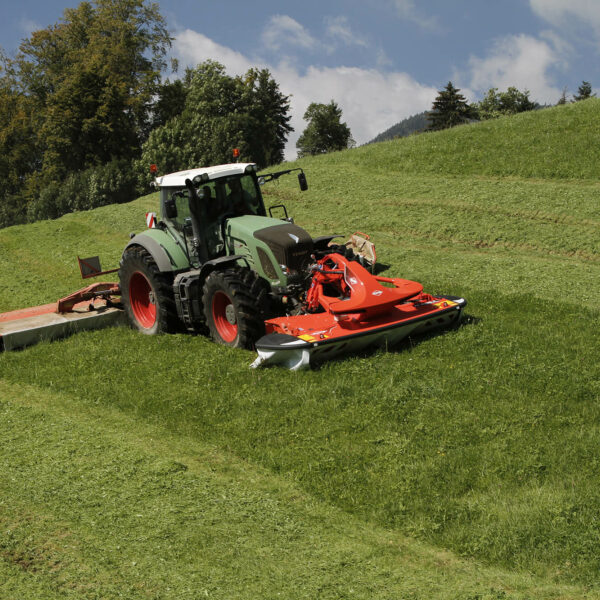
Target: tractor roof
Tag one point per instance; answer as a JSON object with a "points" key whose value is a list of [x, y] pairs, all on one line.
{"points": [[178, 179]]}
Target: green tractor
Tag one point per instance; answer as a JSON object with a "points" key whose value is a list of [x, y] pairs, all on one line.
{"points": [[215, 262]]}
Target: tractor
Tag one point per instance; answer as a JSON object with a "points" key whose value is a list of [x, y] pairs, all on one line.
{"points": [[216, 262]]}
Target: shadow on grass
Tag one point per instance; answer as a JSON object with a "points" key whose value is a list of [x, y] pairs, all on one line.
{"points": [[406, 344], [380, 268]]}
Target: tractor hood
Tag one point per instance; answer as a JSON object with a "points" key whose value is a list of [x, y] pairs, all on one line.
{"points": [[244, 227], [289, 244]]}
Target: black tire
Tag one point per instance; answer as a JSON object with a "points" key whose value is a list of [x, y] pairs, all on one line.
{"points": [[146, 293], [233, 302]]}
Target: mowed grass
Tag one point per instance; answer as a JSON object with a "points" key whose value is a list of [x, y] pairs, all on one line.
{"points": [[482, 440], [99, 504], [38, 263]]}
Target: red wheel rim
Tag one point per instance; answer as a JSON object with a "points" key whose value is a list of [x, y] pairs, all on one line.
{"points": [[221, 305], [141, 298]]}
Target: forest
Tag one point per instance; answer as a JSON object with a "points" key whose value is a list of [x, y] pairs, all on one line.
{"points": [[85, 108]]}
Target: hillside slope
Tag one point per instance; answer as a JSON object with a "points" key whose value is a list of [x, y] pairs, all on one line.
{"points": [[558, 142], [482, 441]]}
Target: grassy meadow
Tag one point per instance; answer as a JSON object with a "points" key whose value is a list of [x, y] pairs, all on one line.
{"points": [[464, 465]]}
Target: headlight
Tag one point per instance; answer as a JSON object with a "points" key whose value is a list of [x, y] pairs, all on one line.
{"points": [[200, 179]]}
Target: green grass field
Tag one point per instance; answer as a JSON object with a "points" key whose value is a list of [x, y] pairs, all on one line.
{"points": [[465, 465]]}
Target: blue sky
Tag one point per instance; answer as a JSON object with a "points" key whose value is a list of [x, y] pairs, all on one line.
{"points": [[381, 60]]}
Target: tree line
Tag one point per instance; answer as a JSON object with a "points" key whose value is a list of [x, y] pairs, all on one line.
{"points": [[450, 108]]}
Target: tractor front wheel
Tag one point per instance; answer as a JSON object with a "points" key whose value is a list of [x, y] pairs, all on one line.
{"points": [[232, 307], [147, 294]]}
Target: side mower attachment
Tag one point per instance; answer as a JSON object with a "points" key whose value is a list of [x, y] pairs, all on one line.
{"points": [[92, 307]]}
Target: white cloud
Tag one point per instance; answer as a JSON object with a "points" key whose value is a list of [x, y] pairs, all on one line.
{"points": [[383, 60], [339, 29], [192, 47], [564, 13], [563, 50], [371, 101], [285, 31], [407, 10], [521, 61]]}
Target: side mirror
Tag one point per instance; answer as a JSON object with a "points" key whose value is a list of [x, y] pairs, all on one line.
{"points": [[170, 208], [302, 181]]}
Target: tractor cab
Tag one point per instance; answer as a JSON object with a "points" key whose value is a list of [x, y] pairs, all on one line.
{"points": [[215, 211], [196, 204]]}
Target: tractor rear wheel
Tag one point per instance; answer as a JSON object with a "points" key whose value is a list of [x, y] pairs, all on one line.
{"points": [[146, 293], [232, 301]]}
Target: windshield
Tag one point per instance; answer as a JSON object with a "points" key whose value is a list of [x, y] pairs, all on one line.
{"points": [[233, 196]]}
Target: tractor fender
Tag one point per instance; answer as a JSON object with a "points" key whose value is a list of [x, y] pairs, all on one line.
{"points": [[322, 242], [218, 263], [167, 255]]}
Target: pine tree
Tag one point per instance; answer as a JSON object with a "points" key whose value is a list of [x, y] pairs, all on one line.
{"points": [[450, 108], [583, 92], [268, 126]]}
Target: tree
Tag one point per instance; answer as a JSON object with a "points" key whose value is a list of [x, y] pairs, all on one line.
{"points": [[496, 104], [170, 102], [19, 153], [268, 126], [221, 113], [76, 99], [583, 92], [92, 78], [325, 132], [449, 109]]}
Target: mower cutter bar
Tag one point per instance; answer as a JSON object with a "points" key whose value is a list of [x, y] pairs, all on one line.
{"points": [[93, 307]]}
